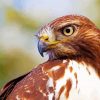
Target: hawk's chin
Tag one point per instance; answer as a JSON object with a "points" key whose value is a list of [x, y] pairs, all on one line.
{"points": [[53, 56], [58, 56]]}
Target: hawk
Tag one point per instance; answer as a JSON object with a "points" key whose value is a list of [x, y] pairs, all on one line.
{"points": [[72, 71]]}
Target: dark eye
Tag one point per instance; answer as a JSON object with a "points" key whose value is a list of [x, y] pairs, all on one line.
{"points": [[69, 30]]}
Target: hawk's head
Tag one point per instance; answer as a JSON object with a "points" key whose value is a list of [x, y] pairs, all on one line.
{"points": [[70, 37]]}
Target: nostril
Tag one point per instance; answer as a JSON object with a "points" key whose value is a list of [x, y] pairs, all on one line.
{"points": [[46, 38]]}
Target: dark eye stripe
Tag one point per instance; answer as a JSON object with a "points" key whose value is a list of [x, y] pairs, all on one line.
{"points": [[66, 25]]}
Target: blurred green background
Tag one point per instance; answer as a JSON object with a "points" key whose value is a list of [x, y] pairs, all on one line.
{"points": [[21, 19]]}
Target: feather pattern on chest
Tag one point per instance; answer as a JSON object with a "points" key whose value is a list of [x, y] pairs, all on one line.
{"points": [[59, 80], [78, 82]]}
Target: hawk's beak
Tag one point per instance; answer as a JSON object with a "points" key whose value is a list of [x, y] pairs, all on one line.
{"points": [[41, 47], [44, 44]]}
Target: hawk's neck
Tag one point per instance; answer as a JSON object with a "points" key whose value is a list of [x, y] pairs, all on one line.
{"points": [[73, 81]]}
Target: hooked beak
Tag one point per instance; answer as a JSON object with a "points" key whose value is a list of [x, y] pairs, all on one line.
{"points": [[44, 44], [42, 47]]}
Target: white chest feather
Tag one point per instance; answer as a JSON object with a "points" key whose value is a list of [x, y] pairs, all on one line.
{"points": [[88, 86], [79, 82]]}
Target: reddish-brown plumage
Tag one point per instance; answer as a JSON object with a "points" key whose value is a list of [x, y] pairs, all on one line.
{"points": [[83, 45], [68, 87], [57, 78], [34, 84], [71, 19]]}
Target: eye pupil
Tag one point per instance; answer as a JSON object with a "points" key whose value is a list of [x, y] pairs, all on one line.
{"points": [[67, 30]]}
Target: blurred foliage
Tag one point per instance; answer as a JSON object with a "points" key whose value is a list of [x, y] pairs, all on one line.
{"points": [[18, 17], [14, 63], [98, 3], [97, 6]]}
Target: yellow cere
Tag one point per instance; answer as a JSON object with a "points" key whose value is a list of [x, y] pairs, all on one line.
{"points": [[44, 36], [53, 42]]}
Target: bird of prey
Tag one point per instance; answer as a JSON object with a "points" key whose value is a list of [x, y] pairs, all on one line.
{"points": [[72, 72]]}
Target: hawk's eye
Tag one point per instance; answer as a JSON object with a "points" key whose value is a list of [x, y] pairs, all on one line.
{"points": [[69, 30]]}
